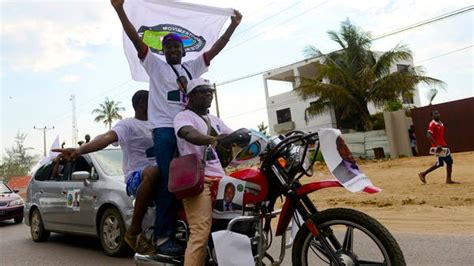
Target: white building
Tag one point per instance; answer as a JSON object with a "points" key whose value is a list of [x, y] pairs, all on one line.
{"points": [[286, 110]]}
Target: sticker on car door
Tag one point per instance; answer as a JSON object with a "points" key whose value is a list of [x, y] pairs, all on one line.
{"points": [[74, 199]]}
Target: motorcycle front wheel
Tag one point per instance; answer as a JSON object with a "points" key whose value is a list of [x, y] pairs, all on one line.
{"points": [[354, 237]]}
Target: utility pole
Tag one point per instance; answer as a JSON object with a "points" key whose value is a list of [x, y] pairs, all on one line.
{"points": [[217, 102], [44, 136], [74, 121]]}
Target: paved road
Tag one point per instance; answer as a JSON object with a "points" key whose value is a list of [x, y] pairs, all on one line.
{"points": [[17, 248]]}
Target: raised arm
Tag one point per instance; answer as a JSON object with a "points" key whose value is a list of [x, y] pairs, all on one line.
{"points": [[222, 41], [98, 143], [129, 29], [193, 136]]}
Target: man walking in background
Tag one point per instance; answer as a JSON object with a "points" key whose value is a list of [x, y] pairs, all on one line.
{"points": [[436, 136]]}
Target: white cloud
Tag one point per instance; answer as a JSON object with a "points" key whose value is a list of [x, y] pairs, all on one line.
{"points": [[55, 38], [70, 78]]}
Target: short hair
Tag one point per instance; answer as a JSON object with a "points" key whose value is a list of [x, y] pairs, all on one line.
{"points": [[433, 112], [229, 185], [139, 97]]}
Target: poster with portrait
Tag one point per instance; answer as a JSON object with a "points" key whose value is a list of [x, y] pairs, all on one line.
{"points": [[230, 197], [340, 162], [73, 199]]}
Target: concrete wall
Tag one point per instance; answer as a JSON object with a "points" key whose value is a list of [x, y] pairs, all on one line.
{"points": [[396, 126], [362, 144]]}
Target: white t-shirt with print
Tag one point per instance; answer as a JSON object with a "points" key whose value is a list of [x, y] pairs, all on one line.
{"points": [[134, 137], [166, 99], [189, 118]]}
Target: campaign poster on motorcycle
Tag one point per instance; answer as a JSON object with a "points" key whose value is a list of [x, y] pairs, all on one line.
{"points": [[340, 162], [229, 200], [73, 199]]}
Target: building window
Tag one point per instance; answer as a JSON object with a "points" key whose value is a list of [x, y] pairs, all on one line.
{"points": [[401, 68], [408, 99], [283, 115]]}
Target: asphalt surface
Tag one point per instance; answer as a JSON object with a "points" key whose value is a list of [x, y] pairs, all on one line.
{"points": [[17, 248]]}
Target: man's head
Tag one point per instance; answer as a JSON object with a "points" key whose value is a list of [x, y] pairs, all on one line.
{"points": [[229, 192], [200, 93], [173, 48], [344, 151], [436, 116], [140, 102], [87, 137]]}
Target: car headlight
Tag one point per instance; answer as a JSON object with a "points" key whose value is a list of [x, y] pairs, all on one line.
{"points": [[15, 202]]}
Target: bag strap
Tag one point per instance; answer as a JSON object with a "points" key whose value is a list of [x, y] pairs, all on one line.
{"points": [[185, 69], [208, 123]]}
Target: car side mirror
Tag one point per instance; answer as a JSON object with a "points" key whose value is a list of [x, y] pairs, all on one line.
{"points": [[80, 175], [16, 190]]}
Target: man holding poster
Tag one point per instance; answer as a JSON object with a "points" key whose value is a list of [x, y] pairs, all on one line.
{"points": [[167, 37]]}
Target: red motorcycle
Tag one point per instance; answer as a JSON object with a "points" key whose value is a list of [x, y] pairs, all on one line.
{"points": [[336, 236]]}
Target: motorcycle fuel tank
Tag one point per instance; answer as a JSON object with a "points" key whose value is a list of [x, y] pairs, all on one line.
{"points": [[256, 187]]}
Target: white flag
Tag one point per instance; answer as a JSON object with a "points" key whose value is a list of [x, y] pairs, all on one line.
{"points": [[340, 162], [197, 25]]}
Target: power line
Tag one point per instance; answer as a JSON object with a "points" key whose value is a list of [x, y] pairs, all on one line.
{"points": [[289, 101], [268, 18], [426, 22], [448, 53], [410, 27], [283, 22]]}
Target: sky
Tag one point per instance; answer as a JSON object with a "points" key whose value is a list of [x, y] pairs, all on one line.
{"points": [[53, 49]]}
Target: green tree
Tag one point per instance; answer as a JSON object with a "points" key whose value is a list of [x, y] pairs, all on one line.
{"points": [[108, 112], [348, 79], [262, 128], [17, 161]]}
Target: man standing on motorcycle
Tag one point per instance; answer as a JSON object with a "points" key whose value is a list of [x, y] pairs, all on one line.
{"points": [[192, 127], [141, 174], [167, 97]]}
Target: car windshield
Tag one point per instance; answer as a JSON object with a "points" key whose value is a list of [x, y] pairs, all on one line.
{"points": [[4, 189], [110, 161]]}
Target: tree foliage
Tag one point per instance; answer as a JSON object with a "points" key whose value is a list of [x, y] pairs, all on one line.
{"points": [[348, 79], [262, 128], [17, 161], [107, 112]]}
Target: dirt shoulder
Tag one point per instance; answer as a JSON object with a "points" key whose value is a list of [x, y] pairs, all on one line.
{"points": [[405, 204]]}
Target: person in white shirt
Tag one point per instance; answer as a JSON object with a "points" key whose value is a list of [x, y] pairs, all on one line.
{"points": [[168, 82], [191, 127], [141, 174]]}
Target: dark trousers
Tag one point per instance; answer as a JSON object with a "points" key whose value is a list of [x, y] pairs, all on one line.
{"points": [[166, 205]]}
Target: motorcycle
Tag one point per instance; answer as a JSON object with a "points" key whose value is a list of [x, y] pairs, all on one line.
{"points": [[335, 236]]}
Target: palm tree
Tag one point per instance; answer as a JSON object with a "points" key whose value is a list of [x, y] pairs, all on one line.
{"points": [[108, 112], [348, 79]]}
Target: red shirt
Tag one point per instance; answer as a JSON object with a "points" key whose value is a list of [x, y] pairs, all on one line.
{"points": [[437, 131]]}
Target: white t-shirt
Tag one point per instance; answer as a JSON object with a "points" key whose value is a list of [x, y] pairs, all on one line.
{"points": [[189, 118], [166, 99], [134, 137]]}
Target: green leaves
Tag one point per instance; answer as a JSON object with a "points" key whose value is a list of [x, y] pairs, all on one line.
{"points": [[350, 78], [108, 112]]}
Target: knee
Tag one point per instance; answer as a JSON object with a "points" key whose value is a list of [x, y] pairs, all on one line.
{"points": [[151, 175]]}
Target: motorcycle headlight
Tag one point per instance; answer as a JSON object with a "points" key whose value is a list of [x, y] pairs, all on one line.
{"points": [[16, 202], [298, 155]]}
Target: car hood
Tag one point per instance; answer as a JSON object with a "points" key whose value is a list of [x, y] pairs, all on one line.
{"points": [[9, 197]]}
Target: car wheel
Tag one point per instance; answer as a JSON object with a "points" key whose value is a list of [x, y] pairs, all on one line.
{"points": [[112, 233], [18, 219], [38, 233]]}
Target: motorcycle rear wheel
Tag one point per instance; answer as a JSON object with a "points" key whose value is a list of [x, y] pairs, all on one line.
{"points": [[342, 228]]}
